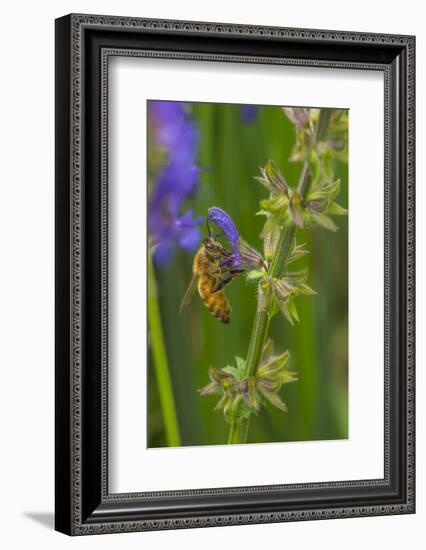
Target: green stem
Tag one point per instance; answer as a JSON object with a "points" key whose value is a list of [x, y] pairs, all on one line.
{"points": [[231, 436], [257, 340], [238, 431], [244, 429], [239, 428], [161, 366]]}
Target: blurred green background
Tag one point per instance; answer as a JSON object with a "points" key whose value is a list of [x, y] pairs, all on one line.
{"points": [[231, 151]]}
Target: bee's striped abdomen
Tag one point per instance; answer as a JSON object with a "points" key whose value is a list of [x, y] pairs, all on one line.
{"points": [[215, 302]]}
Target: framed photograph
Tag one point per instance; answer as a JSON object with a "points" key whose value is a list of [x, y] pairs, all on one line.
{"points": [[234, 274]]}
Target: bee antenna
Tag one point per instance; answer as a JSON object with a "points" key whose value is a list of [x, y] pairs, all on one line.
{"points": [[208, 228]]}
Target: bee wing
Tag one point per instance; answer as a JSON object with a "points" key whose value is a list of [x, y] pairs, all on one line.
{"points": [[189, 292]]}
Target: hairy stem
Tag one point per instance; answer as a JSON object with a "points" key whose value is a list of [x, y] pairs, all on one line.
{"points": [[239, 428], [160, 361]]}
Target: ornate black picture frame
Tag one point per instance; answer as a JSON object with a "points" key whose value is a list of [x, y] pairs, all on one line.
{"points": [[83, 45]]}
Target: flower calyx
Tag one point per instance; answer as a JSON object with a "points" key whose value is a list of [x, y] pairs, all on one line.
{"points": [[278, 293], [241, 395]]}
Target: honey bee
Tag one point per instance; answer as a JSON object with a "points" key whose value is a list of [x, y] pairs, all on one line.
{"points": [[210, 275]]}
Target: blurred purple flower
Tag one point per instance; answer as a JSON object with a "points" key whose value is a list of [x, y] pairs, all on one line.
{"points": [[177, 134], [248, 113]]}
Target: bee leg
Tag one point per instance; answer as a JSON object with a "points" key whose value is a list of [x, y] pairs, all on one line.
{"points": [[227, 280], [220, 284]]}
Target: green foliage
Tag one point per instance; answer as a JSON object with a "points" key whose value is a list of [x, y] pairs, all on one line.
{"points": [[241, 395]]}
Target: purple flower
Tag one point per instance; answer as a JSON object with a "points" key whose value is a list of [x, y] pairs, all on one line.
{"points": [[225, 223], [244, 257], [176, 134], [248, 113], [182, 232]]}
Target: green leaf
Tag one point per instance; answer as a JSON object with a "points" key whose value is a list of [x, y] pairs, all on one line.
{"points": [[254, 275], [241, 365], [240, 362], [233, 371]]}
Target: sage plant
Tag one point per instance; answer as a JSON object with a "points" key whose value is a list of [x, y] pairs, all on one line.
{"points": [[253, 383]]}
